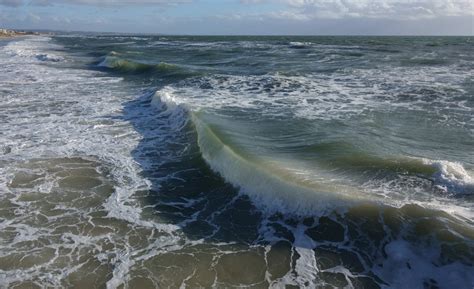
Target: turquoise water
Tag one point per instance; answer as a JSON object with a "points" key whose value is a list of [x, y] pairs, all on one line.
{"points": [[256, 162]]}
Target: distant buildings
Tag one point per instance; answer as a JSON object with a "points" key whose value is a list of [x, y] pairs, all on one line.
{"points": [[10, 33]]}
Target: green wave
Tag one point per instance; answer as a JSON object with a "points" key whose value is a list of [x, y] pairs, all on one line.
{"points": [[273, 185], [122, 65], [296, 186], [339, 155]]}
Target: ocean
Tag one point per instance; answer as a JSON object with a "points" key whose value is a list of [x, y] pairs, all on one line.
{"points": [[135, 161]]}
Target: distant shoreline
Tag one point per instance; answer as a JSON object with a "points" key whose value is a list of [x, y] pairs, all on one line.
{"points": [[6, 33]]}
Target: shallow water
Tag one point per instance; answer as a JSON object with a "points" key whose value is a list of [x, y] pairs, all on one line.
{"points": [[256, 162]]}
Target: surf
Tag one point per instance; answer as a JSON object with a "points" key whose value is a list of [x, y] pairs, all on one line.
{"points": [[296, 176], [305, 187]]}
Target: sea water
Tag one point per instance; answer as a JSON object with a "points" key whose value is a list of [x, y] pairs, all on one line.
{"points": [[134, 161]]}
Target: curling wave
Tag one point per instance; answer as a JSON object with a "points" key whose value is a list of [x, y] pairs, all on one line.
{"points": [[267, 182], [278, 185]]}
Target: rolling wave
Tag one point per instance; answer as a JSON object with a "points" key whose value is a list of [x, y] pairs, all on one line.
{"points": [[269, 183], [292, 186]]}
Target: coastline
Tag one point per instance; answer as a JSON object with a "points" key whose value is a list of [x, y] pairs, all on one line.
{"points": [[6, 33]]}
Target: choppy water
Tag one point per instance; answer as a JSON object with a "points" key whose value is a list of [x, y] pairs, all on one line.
{"points": [[249, 162]]}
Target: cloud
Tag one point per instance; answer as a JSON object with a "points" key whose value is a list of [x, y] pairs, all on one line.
{"points": [[11, 3], [17, 3], [33, 17], [388, 9], [250, 17]]}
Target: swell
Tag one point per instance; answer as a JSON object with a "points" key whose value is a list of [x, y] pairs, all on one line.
{"points": [[122, 65]]}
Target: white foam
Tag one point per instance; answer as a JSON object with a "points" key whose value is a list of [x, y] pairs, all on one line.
{"points": [[297, 44], [305, 265], [409, 267], [166, 96], [34, 48], [341, 95], [452, 176], [56, 112]]}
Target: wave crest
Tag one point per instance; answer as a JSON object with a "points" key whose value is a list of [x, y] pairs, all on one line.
{"points": [[451, 177], [122, 65]]}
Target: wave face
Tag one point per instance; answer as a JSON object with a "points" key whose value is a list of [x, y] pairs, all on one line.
{"points": [[120, 64], [124, 65], [223, 162], [274, 187]]}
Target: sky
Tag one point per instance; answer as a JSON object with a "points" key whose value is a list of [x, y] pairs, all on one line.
{"points": [[244, 17]]}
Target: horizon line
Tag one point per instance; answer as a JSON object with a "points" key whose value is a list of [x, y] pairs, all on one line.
{"points": [[236, 35]]}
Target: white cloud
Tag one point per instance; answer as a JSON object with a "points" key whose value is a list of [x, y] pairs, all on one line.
{"points": [[397, 9], [33, 18], [389, 9]]}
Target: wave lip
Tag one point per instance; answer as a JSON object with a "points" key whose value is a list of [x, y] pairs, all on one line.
{"points": [[451, 177]]}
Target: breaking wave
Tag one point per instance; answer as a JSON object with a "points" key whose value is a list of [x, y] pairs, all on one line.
{"points": [[278, 185]]}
